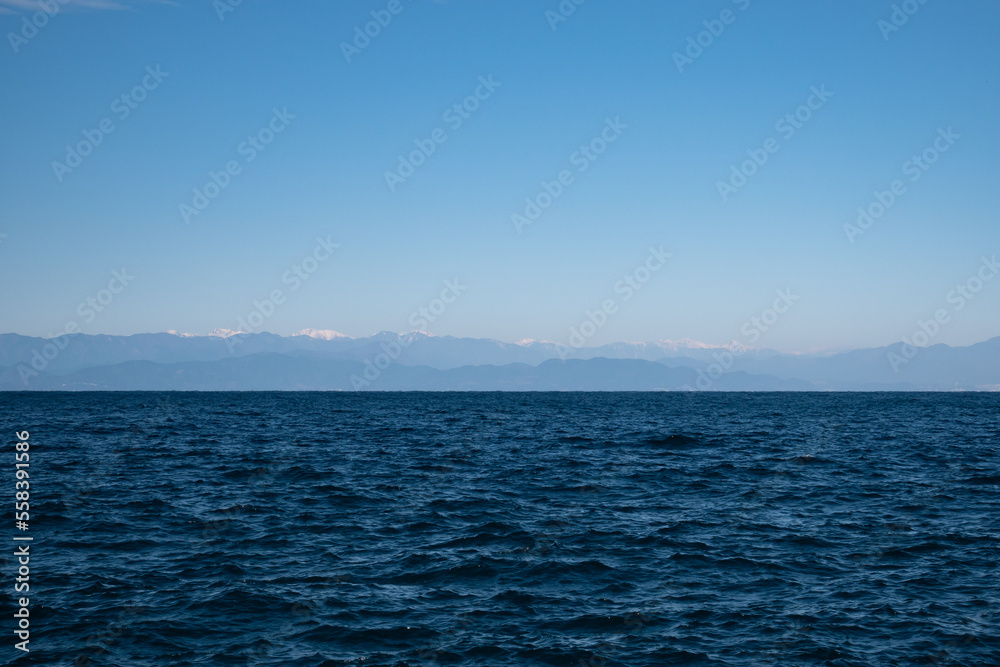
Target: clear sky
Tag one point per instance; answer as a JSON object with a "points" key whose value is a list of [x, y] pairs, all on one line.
{"points": [[197, 87]]}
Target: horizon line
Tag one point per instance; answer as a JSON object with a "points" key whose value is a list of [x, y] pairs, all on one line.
{"points": [[331, 335]]}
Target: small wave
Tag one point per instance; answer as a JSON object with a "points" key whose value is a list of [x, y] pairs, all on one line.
{"points": [[672, 441]]}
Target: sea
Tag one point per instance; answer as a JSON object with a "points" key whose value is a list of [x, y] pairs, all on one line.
{"points": [[560, 529]]}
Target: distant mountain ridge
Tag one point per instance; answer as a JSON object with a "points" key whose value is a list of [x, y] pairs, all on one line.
{"points": [[328, 360]]}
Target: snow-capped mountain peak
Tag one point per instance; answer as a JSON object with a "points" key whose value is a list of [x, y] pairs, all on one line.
{"points": [[322, 334]]}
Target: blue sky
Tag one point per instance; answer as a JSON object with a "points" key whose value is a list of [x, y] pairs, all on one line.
{"points": [[323, 175]]}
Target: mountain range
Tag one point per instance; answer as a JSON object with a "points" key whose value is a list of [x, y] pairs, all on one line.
{"points": [[326, 360]]}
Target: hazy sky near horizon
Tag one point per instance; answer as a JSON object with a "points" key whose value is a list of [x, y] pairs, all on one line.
{"points": [[309, 128]]}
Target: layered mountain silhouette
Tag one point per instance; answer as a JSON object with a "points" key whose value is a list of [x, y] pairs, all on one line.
{"points": [[328, 361]]}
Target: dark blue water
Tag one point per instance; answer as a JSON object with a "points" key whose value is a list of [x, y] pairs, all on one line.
{"points": [[511, 529]]}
